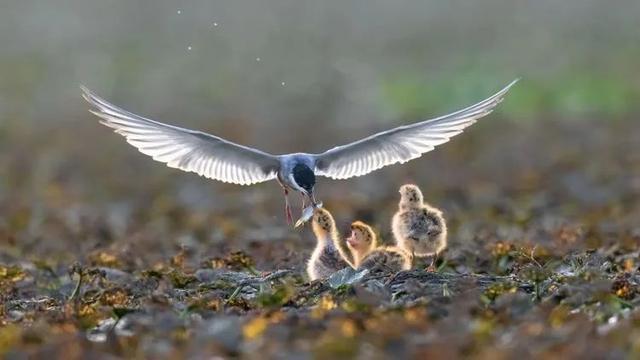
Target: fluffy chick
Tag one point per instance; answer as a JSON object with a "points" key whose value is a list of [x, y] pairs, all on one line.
{"points": [[363, 252], [325, 259], [417, 227], [356, 247], [387, 259]]}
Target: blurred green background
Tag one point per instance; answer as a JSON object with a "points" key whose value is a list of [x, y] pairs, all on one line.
{"points": [[354, 62]]}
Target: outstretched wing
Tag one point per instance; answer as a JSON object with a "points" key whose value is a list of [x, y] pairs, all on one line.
{"points": [[401, 144], [207, 155]]}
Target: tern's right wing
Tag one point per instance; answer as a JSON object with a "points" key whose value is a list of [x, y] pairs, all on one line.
{"points": [[207, 155], [401, 144]]}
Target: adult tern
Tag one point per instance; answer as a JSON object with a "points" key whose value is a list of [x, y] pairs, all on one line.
{"points": [[219, 159]]}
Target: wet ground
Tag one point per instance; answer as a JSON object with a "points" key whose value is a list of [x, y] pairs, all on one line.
{"points": [[105, 253]]}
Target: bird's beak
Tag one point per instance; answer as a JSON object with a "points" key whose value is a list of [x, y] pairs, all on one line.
{"points": [[312, 197], [351, 240]]}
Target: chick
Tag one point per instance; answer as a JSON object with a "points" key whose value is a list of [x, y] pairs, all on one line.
{"points": [[387, 259], [357, 246], [363, 252], [325, 259], [417, 227]]}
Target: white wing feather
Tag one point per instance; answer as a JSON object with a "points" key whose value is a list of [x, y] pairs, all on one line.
{"points": [[194, 151], [401, 144]]}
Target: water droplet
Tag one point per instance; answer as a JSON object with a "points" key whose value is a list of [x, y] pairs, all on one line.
{"points": [[282, 83], [215, 24], [179, 12], [189, 48], [257, 59]]}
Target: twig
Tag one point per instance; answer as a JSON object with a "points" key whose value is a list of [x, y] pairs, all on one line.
{"points": [[273, 276], [76, 269]]}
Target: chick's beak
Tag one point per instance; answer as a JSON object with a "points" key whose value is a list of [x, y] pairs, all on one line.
{"points": [[351, 240]]}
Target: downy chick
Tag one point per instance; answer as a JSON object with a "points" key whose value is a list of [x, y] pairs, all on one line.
{"points": [[417, 227], [363, 252], [325, 259]]}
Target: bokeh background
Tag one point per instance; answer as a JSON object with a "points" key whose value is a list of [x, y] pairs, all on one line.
{"points": [[556, 165]]}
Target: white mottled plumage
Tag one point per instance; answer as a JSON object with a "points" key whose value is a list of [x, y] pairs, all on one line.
{"points": [[325, 259], [418, 228], [362, 251]]}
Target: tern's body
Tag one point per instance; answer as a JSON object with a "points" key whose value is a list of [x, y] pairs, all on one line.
{"points": [[296, 171], [219, 159]]}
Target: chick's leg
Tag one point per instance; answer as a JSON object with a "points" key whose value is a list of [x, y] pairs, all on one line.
{"points": [[432, 266]]}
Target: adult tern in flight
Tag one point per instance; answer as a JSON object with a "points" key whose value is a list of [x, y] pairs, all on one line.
{"points": [[219, 159]]}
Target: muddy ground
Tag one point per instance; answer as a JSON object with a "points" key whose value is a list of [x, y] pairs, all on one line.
{"points": [[105, 253]]}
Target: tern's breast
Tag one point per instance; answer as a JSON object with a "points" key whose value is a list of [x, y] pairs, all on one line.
{"points": [[296, 171]]}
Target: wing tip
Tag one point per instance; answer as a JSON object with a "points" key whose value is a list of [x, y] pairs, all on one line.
{"points": [[93, 100], [86, 93], [510, 85]]}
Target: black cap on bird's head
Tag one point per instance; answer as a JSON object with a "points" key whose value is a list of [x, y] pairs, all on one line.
{"points": [[305, 179]]}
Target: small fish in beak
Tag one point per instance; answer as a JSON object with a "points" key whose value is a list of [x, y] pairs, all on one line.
{"points": [[307, 213]]}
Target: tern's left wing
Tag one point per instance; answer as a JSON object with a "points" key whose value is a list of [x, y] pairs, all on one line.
{"points": [[205, 154], [401, 144]]}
